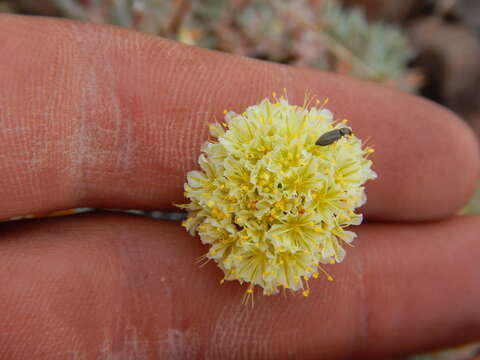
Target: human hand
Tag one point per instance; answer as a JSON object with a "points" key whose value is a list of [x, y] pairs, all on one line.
{"points": [[103, 117]]}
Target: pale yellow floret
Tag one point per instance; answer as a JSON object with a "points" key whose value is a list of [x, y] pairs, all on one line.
{"points": [[270, 204]]}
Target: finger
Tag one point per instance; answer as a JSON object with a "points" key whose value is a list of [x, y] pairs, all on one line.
{"points": [[114, 286], [99, 116]]}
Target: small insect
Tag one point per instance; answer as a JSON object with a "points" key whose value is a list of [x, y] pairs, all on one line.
{"points": [[331, 136]]}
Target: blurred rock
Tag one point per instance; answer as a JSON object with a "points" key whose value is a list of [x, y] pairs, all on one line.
{"points": [[393, 10], [449, 54], [469, 13], [476, 125], [35, 7]]}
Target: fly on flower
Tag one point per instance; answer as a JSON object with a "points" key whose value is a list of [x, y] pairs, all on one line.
{"points": [[272, 205]]}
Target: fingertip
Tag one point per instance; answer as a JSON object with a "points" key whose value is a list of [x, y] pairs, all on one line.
{"points": [[466, 158], [433, 163], [457, 156]]}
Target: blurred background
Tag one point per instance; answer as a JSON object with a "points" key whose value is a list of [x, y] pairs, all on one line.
{"points": [[427, 47]]}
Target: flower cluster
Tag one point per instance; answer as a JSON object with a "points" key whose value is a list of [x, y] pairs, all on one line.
{"points": [[270, 203]]}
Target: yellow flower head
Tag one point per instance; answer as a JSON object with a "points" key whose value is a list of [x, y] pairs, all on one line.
{"points": [[270, 203]]}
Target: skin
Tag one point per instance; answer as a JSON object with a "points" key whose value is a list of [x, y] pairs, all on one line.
{"points": [[98, 116]]}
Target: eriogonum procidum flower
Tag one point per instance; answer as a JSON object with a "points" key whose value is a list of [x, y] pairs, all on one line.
{"points": [[270, 203]]}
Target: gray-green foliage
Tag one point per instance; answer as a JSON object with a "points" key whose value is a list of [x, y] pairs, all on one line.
{"points": [[318, 33], [382, 51], [473, 206]]}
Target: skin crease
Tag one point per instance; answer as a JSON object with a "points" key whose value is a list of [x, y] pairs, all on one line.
{"points": [[97, 116]]}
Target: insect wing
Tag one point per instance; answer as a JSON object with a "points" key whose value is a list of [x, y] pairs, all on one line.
{"points": [[329, 137]]}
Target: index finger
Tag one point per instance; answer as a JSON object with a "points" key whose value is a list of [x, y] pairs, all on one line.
{"points": [[99, 116]]}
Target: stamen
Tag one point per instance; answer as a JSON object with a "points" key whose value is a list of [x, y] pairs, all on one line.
{"points": [[329, 277], [325, 102]]}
